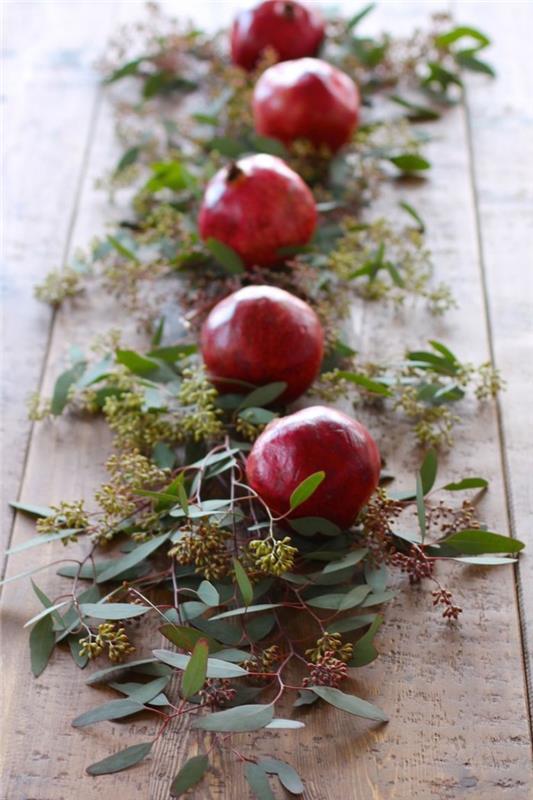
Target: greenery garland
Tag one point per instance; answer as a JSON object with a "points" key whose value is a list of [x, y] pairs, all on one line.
{"points": [[202, 556]]}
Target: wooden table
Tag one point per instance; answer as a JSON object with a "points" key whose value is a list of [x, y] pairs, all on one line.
{"points": [[458, 697]]}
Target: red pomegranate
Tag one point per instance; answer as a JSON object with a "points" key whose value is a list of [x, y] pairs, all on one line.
{"points": [[318, 438], [289, 28], [306, 99], [257, 206], [262, 334]]}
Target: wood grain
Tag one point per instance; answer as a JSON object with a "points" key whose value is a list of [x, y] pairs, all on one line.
{"points": [[50, 94], [458, 708], [501, 135]]}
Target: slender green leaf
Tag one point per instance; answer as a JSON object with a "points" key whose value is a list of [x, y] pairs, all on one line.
{"points": [[486, 561], [479, 542], [468, 61], [110, 673], [236, 612], [341, 602], [350, 703], [116, 709], [45, 611], [428, 471], [130, 157], [375, 387], [420, 505], [33, 510], [238, 720], [186, 637], [37, 540], [357, 18], [376, 576], [42, 642], [113, 611], [139, 365], [351, 623], [128, 561], [163, 455], [309, 526], [364, 651], [62, 387], [414, 214], [196, 670], [124, 759], [189, 775], [416, 112], [409, 162], [243, 582], [467, 483], [285, 724], [264, 395], [349, 560], [305, 489], [446, 39], [226, 256], [131, 68], [216, 668]]}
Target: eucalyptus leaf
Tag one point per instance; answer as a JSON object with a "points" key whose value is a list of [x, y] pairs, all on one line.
{"points": [[479, 542], [33, 510], [62, 387], [349, 560], [258, 780], [428, 471], [110, 673], [130, 560], [189, 775], [216, 668], [364, 651], [208, 594], [287, 775], [225, 256], [115, 709], [466, 483], [237, 720], [243, 582], [341, 602], [42, 643], [264, 395], [306, 489], [350, 703], [409, 162], [113, 611], [196, 670], [285, 724], [186, 637], [124, 759], [236, 612]]}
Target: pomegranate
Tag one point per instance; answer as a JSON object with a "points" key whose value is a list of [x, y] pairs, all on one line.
{"points": [[288, 28], [257, 206], [317, 438], [262, 334], [306, 99]]}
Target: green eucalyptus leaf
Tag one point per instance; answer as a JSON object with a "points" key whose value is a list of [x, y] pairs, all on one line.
{"points": [[226, 256], [124, 759], [258, 780], [287, 775], [364, 651], [33, 510], [130, 560], [196, 670], [305, 698], [113, 611], [264, 395], [351, 623], [208, 594], [216, 668], [349, 560], [42, 643], [350, 703], [306, 489], [414, 214], [238, 720], [163, 456], [479, 542], [467, 483], [189, 775], [112, 673], [420, 505], [186, 637], [116, 709], [243, 582], [62, 387], [409, 162], [428, 471], [237, 612], [373, 386], [341, 602], [309, 526]]}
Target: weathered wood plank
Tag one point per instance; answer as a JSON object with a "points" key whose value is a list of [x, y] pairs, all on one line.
{"points": [[49, 104], [458, 712], [501, 135]]}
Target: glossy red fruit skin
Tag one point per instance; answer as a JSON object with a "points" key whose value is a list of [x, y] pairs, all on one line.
{"points": [[257, 206], [317, 438], [289, 28], [306, 99], [262, 334]]}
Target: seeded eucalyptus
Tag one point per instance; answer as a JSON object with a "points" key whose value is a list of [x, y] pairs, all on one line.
{"points": [[222, 578]]}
